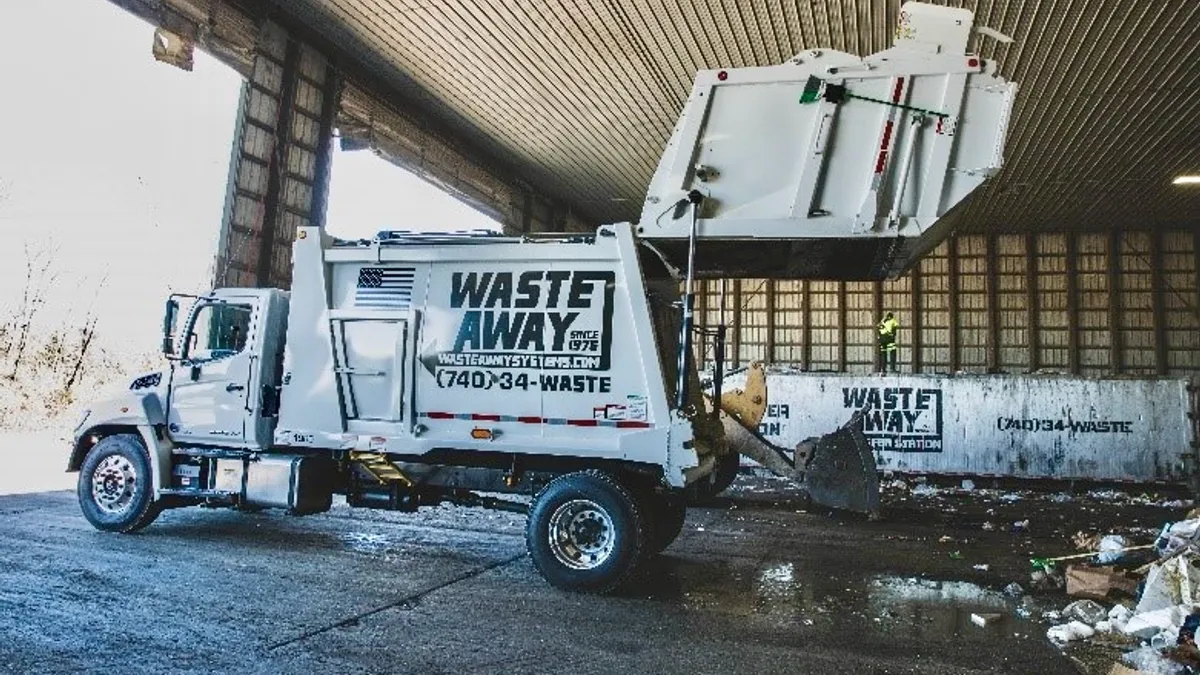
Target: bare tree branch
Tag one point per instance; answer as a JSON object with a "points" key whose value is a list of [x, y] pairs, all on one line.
{"points": [[88, 332], [40, 275]]}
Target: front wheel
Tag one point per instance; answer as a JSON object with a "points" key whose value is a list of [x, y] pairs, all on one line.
{"points": [[584, 532], [114, 489]]}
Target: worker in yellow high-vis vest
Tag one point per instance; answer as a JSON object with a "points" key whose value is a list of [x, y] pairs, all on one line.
{"points": [[888, 328]]}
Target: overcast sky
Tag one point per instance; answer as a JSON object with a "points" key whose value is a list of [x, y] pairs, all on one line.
{"points": [[121, 162]]}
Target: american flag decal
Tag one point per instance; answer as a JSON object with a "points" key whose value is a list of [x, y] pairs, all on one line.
{"points": [[384, 288]]}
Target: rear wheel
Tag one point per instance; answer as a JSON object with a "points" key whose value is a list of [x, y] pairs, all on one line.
{"points": [[114, 489], [585, 532], [722, 476]]}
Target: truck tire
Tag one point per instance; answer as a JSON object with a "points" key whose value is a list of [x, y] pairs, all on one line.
{"points": [[723, 474], [115, 491], [663, 515], [585, 532]]}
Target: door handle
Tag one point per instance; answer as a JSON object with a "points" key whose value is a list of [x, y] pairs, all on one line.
{"points": [[231, 387]]}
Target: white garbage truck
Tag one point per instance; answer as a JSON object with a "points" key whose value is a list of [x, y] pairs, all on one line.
{"points": [[417, 369]]}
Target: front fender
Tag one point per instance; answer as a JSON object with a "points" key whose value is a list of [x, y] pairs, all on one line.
{"points": [[128, 409], [142, 413]]}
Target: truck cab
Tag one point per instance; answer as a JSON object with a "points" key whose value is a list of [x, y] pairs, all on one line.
{"points": [[226, 368]]}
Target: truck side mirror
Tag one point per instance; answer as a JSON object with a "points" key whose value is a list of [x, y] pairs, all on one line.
{"points": [[168, 340]]}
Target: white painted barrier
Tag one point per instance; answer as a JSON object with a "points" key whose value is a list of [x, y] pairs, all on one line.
{"points": [[1034, 426]]}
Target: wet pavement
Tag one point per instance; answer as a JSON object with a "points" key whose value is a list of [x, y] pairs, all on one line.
{"points": [[757, 583]]}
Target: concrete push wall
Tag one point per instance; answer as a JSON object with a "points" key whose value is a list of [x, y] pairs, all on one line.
{"points": [[1112, 303], [1042, 426]]}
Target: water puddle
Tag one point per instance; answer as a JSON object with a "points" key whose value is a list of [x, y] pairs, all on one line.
{"points": [[365, 542], [939, 608], [787, 593]]}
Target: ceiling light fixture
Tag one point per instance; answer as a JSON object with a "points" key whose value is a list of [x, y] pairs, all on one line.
{"points": [[1186, 180]]}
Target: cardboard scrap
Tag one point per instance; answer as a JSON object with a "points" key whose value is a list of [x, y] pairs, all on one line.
{"points": [[1097, 583]]}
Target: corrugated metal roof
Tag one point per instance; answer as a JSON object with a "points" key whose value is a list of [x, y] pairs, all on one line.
{"points": [[582, 94]]}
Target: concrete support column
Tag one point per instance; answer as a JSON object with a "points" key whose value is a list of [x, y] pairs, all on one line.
{"points": [[918, 319], [280, 161], [1073, 341], [952, 301], [770, 347], [1116, 355], [1032, 301], [993, 304]]}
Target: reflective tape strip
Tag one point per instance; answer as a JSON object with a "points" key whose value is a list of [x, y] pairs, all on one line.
{"points": [[554, 421]]}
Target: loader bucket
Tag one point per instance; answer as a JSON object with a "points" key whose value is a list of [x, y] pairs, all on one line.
{"points": [[837, 469], [840, 471]]}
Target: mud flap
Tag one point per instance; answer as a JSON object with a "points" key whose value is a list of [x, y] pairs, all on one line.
{"points": [[837, 469]]}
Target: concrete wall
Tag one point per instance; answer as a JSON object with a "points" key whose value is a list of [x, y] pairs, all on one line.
{"points": [[1081, 303], [1031, 426]]}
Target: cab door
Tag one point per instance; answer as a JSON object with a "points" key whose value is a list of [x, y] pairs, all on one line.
{"points": [[212, 400]]}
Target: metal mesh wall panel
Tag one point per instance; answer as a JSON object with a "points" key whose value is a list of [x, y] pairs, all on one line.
{"points": [[1054, 302]]}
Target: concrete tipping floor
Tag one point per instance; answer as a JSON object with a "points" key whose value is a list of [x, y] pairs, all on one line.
{"points": [[754, 585]]}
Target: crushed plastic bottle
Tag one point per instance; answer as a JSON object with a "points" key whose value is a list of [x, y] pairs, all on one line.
{"points": [[1111, 549]]}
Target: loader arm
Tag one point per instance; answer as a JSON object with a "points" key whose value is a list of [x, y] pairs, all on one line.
{"points": [[837, 470]]}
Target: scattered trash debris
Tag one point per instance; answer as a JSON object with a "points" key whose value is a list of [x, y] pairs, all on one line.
{"points": [[1111, 549], [956, 555], [968, 484], [1146, 624], [981, 567], [988, 526], [1176, 536], [1086, 542], [1119, 615], [1169, 583], [1187, 632], [945, 538], [924, 490], [982, 619], [1021, 525], [1010, 497], [1087, 611], [1150, 660], [1047, 579], [1049, 563], [1069, 632], [1014, 590]]}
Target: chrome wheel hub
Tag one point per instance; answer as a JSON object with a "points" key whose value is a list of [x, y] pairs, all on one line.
{"points": [[114, 484], [582, 536]]}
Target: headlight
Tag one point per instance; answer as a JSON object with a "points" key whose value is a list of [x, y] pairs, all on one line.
{"points": [[82, 418]]}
